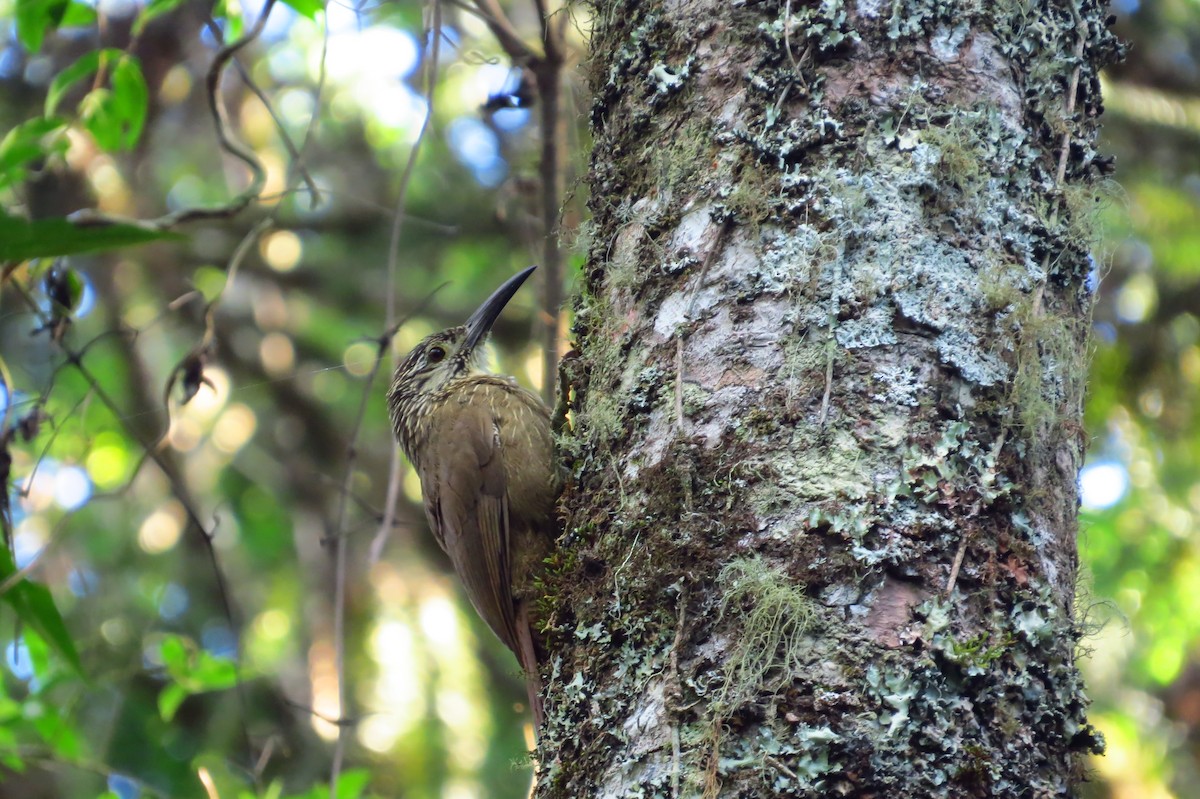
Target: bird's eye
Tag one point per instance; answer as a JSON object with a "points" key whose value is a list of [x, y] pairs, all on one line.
{"points": [[436, 354]]}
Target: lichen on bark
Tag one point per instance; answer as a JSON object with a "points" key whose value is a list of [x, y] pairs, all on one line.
{"points": [[820, 529]]}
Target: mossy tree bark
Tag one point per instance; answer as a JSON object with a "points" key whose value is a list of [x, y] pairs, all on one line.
{"points": [[832, 338]]}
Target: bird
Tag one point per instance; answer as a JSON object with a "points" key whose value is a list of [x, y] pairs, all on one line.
{"points": [[483, 448]]}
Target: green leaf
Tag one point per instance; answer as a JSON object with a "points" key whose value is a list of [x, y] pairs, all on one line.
{"points": [[85, 65], [308, 8], [35, 607], [78, 15], [28, 142], [115, 116], [211, 673], [154, 9], [195, 670], [174, 654], [352, 783], [35, 18], [21, 239], [60, 735], [234, 23], [169, 700]]}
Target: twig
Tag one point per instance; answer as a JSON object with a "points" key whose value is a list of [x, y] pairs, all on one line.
{"points": [[679, 384], [312, 122], [1072, 89], [339, 593], [621, 568], [988, 478], [547, 71], [771, 761], [830, 347], [50, 760], [288, 144], [500, 26], [552, 172], [389, 509], [1064, 152], [958, 560], [339, 596], [676, 688], [400, 215]]}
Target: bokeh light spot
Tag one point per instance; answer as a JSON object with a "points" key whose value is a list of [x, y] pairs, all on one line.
{"points": [[16, 655], [72, 488], [273, 625], [277, 354], [176, 85], [358, 358], [123, 787], [1102, 484], [162, 528], [439, 621], [108, 462], [114, 631], [281, 250], [184, 434], [172, 602], [234, 429], [1137, 298]]}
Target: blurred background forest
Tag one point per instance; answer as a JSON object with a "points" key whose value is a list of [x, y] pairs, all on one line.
{"points": [[232, 381]]}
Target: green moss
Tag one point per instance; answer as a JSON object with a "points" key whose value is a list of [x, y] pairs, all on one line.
{"points": [[750, 202], [1082, 205], [681, 164], [962, 157], [771, 616]]}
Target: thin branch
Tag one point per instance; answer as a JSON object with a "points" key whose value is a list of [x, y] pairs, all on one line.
{"points": [[500, 26], [543, 13], [1065, 149], [954, 569], [55, 759], [553, 169], [389, 509], [831, 345], [410, 165], [552, 174], [398, 220], [339, 592], [293, 152], [318, 91], [1072, 89]]}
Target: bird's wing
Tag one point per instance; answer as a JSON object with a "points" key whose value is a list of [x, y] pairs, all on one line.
{"points": [[473, 514]]}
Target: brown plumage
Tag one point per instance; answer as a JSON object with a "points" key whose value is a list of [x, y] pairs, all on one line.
{"points": [[482, 447]]}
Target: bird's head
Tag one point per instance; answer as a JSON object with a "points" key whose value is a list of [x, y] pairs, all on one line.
{"points": [[443, 357]]}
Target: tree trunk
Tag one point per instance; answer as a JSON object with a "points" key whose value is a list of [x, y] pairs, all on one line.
{"points": [[832, 351]]}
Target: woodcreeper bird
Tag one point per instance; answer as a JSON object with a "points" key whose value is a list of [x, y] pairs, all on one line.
{"points": [[483, 449]]}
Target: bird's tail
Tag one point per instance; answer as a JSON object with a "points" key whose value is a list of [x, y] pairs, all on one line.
{"points": [[527, 656]]}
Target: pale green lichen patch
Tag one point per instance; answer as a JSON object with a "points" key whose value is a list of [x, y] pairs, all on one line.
{"points": [[770, 616]]}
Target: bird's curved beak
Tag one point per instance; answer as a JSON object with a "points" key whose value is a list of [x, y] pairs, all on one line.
{"points": [[485, 315]]}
